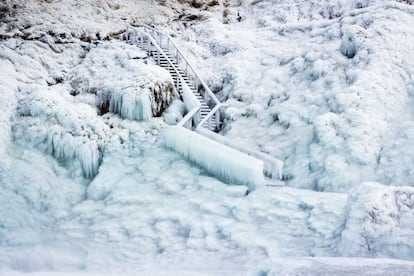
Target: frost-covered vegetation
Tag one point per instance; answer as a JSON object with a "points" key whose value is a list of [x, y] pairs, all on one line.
{"points": [[325, 86]]}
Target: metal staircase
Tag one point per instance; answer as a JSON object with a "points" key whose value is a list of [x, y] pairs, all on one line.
{"points": [[203, 107], [160, 46]]}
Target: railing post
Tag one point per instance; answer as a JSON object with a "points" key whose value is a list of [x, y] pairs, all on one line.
{"points": [[176, 84], [176, 56], [160, 38], [206, 97], [168, 43], [186, 67], [218, 118]]}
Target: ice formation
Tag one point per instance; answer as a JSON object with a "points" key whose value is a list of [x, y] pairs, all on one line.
{"points": [[69, 132], [122, 82], [379, 222], [335, 121], [227, 164], [331, 119], [128, 103]]}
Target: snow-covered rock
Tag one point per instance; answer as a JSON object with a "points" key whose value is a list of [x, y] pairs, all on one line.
{"points": [[123, 82], [379, 222]]}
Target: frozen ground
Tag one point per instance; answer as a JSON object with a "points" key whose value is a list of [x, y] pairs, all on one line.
{"points": [[85, 191]]}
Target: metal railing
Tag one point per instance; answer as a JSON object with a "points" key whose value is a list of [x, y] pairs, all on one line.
{"points": [[166, 47], [166, 42], [134, 35]]}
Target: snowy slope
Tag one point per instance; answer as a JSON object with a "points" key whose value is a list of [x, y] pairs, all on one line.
{"points": [[88, 188]]}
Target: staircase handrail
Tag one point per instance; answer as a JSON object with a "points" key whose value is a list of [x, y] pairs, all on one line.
{"points": [[273, 167], [149, 32], [210, 114], [155, 44], [189, 116], [206, 88]]}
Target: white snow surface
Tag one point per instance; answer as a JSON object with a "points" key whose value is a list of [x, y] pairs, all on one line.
{"points": [[325, 86], [379, 222]]}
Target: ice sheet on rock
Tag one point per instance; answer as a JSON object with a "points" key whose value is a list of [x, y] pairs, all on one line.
{"points": [[174, 112], [129, 102]]}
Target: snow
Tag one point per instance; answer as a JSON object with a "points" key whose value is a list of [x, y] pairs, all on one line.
{"points": [[293, 94], [58, 128], [379, 222], [122, 79], [225, 163], [338, 123]]}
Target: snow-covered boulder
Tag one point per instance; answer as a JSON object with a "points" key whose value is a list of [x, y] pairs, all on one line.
{"points": [[379, 222], [353, 38], [122, 82]]}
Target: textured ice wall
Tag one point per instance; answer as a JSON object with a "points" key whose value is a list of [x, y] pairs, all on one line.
{"points": [[72, 133], [130, 102], [379, 222], [336, 107], [221, 161]]}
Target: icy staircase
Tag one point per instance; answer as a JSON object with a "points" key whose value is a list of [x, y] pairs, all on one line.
{"points": [[202, 105], [195, 135], [177, 73]]}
